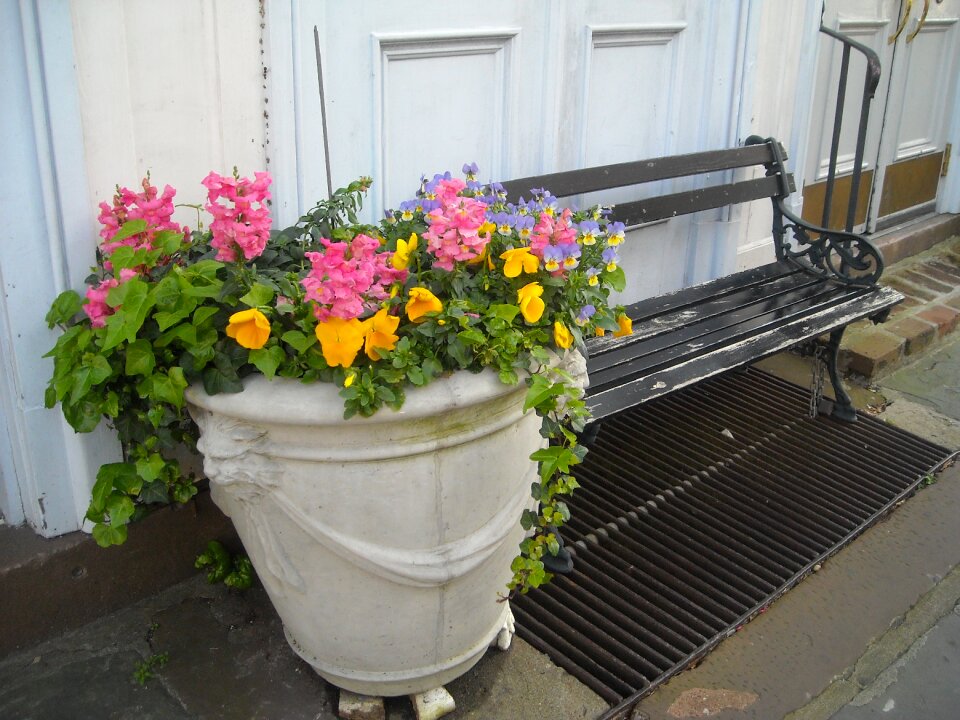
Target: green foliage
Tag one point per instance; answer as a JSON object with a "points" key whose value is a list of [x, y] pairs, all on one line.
{"points": [[143, 671], [234, 571]]}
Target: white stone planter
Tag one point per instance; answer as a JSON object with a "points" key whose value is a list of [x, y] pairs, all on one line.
{"points": [[383, 542]]}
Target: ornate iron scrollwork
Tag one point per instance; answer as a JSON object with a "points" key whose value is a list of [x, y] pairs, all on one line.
{"points": [[835, 254]]}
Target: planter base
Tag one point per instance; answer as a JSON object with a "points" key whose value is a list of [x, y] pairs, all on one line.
{"points": [[411, 681]]}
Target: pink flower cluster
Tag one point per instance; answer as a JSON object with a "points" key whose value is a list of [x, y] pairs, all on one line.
{"points": [[551, 230], [96, 306], [349, 278], [156, 209], [454, 233], [244, 227]]}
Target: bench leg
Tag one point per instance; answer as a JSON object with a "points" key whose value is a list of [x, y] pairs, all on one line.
{"points": [[843, 407]]}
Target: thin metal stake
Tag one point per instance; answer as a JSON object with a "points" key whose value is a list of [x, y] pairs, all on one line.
{"points": [[323, 112]]}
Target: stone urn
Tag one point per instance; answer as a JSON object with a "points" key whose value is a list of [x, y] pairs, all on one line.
{"points": [[384, 543]]}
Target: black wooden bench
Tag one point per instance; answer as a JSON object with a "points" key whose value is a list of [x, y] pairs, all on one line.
{"points": [[821, 281]]}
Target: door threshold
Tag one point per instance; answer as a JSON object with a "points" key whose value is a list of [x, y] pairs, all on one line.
{"points": [[913, 237]]}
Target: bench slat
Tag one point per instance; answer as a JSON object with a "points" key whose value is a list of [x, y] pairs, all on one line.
{"points": [[684, 203], [683, 324], [689, 296], [604, 402], [575, 182], [699, 338]]}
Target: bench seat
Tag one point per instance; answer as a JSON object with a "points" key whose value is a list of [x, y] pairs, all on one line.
{"points": [[691, 334]]}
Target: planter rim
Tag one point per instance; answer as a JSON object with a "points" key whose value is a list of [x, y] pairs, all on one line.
{"points": [[292, 402]]}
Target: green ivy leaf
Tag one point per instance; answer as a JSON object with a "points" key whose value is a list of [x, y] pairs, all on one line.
{"points": [[215, 381], [472, 337], [140, 358], [128, 229], [107, 535], [203, 314], [258, 296], [299, 341], [267, 360], [133, 302], [168, 241], [616, 279], [67, 304], [150, 467], [83, 416], [120, 508], [540, 392], [504, 312]]}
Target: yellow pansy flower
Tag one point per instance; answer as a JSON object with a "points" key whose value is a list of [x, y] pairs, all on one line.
{"points": [[626, 326], [519, 260], [405, 248], [340, 340], [250, 328], [479, 258], [561, 335], [421, 302], [528, 297], [379, 330]]}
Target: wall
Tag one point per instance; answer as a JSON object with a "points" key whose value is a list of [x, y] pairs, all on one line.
{"points": [[105, 90], [173, 88]]}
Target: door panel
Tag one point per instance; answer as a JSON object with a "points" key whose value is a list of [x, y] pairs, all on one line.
{"points": [[521, 88]]}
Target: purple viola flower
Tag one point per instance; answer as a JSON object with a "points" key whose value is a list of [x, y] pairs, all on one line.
{"points": [[504, 222], [593, 276], [408, 208], [389, 216], [586, 312], [611, 258], [497, 190], [571, 255], [470, 170], [474, 188], [524, 225], [589, 230], [552, 258], [615, 233]]}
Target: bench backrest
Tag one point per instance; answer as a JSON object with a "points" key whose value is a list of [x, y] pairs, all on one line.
{"points": [[839, 255], [649, 209]]}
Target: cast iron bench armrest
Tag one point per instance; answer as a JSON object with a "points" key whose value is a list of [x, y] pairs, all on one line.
{"points": [[847, 257]]}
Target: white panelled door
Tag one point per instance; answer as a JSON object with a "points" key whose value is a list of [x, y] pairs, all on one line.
{"points": [[520, 88], [918, 42]]}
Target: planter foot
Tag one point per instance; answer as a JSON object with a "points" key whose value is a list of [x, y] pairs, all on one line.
{"points": [[361, 707], [433, 704], [509, 629]]}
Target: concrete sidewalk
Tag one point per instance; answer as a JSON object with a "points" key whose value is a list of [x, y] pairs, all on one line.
{"points": [[872, 634]]}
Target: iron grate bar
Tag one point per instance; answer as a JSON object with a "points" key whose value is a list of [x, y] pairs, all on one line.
{"points": [[682, 532]]}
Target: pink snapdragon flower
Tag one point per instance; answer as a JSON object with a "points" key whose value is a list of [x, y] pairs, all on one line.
{"points": [[244, 227], [96, 306], [454, 234], [348, 279], [555, 231], [150, 205]]}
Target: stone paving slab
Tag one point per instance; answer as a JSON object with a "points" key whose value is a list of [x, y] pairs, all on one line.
{"points": [[934, 380], [920, 684], [228, 660]]}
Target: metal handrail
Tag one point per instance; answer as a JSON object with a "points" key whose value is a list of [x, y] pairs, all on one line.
{"points": [[870, 83]]}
